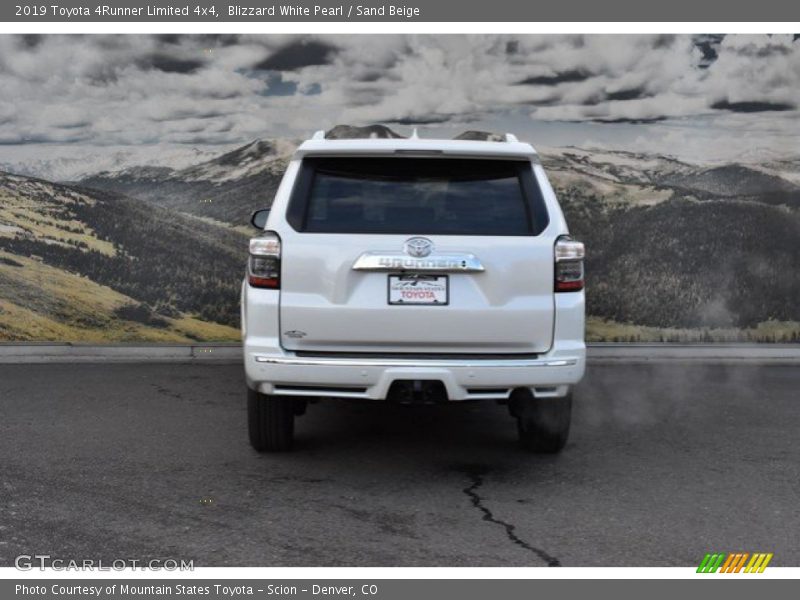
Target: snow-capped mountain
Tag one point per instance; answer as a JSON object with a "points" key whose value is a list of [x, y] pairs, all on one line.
{"points": [[786, 168], [55, 162], [618, 166], [247, 161], [227, 187], [622, 177], [650, 223], [732, 180]]}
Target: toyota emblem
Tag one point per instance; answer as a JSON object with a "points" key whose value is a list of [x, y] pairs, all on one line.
{"points": [[418, 247]]}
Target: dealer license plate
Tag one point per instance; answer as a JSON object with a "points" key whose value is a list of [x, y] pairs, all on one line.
{"points": [[419, 289]]}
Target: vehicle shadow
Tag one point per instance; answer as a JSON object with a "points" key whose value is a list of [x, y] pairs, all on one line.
{"points": [[475, 435]]}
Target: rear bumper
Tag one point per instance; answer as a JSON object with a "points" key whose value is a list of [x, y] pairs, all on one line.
{"points": [[370, 379], [271, 369]]}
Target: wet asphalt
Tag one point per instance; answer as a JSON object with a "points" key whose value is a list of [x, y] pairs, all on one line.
{"points": [[138, 461]]}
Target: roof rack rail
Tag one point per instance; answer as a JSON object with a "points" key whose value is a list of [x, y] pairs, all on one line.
{"points": [[485, 136], [350, 132]]}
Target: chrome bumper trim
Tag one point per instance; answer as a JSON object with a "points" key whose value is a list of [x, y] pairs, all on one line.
{"points": [[380, 362]]}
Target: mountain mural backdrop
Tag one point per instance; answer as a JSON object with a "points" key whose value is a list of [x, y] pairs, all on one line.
{"points": [[677, 250]]}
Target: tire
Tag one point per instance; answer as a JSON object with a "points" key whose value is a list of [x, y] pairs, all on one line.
{"points": [[270, 421], [542, 423]]}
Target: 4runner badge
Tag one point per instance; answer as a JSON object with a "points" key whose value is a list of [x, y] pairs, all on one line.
{"points": [[418, 247]]}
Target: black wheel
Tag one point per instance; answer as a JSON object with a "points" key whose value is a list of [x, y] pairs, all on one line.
{"points": [[542, 423], [270, 421]]}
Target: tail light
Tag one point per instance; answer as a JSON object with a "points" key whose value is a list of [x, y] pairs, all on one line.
{"points": [[569, 265], [264, 265]]}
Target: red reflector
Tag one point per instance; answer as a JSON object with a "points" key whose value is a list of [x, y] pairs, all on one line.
{"points": [[263, 282], [569, 286]]}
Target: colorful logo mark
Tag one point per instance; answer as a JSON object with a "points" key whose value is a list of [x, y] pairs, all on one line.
{"points": [[734, 562]]}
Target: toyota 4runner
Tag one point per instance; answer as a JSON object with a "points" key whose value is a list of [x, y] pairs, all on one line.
{"points": [[413, 270]]}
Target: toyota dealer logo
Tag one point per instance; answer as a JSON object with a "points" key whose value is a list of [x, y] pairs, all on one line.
{"points": [[418, 247]]}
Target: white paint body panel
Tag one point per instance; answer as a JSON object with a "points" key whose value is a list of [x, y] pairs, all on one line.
{"points": [[340, 309], [327, 306]]}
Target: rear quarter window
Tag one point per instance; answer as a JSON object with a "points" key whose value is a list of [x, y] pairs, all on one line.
{"points": [[402, 195]]}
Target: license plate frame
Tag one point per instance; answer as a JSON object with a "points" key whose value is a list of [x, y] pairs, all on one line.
{"points": [[442, 286]]}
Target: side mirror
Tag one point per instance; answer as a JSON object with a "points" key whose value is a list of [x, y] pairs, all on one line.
{"points": [[259, 218]]}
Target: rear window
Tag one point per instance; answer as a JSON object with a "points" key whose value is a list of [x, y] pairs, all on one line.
{"points": [[442, 196]]}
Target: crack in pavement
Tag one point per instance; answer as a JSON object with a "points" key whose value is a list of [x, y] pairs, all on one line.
{"points": [[166, 392], [477, 502]]}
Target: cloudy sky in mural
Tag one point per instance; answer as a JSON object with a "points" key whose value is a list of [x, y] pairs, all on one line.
{"points": [[713, 97]]}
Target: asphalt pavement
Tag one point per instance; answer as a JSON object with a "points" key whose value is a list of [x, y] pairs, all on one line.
{"points": [[666, 462]]}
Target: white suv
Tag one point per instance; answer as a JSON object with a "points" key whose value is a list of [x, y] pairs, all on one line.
{"points": [[413, 270]]}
